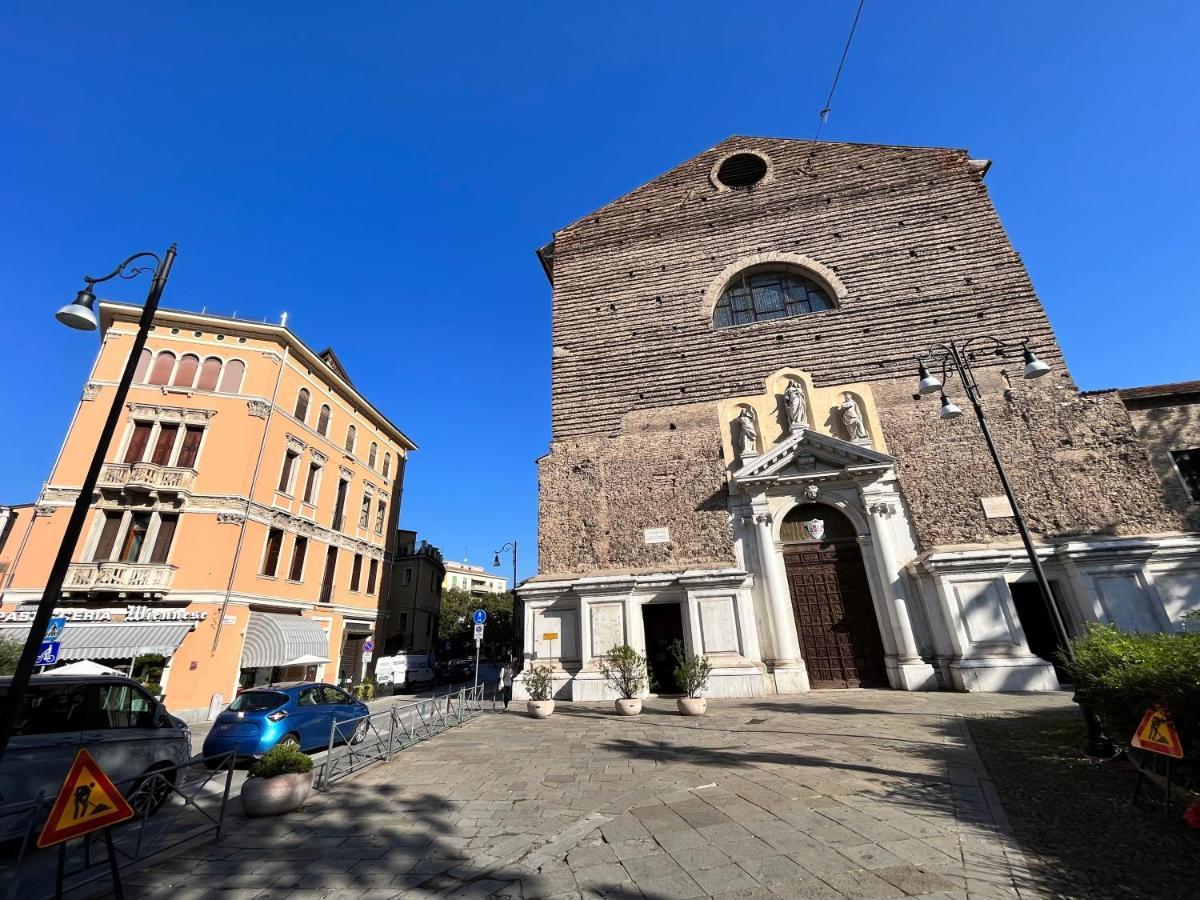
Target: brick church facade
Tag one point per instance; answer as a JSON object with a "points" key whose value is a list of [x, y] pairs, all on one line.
{"points": [[740, 460]]}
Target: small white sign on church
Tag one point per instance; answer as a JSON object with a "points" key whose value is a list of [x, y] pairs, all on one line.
{"points": [[657, 535], [996, 507]]}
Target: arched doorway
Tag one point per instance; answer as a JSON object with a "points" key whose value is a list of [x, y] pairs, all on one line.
{"points": [[831, 599]]}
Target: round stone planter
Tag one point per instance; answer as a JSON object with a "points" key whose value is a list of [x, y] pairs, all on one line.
{"points": [[540, 709], [692, 706], [274, 796], [629, 707]]}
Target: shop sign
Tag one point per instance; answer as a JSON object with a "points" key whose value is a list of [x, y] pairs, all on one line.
{"points": [[131, 613]]}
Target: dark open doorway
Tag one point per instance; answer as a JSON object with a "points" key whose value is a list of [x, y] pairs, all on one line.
{"points": [[664, 626], [1039, 630]]}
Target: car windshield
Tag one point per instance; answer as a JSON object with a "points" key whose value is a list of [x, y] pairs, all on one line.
{"points": [[257, 701]]}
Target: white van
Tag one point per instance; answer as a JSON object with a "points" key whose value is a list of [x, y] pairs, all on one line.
{"points": [[402, 671]]}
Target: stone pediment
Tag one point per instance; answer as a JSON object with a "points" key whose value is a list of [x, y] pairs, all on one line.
{"points": [[811, 456]]}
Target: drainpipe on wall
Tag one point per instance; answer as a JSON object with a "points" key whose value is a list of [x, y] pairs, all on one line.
{"points": [[237, 553]]}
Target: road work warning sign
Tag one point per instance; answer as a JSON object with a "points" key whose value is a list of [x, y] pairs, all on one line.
{"points": [[1157, 734], [87, 802]]}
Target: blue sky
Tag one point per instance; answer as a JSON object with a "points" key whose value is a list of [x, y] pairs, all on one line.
{"points": [[384, 171]]}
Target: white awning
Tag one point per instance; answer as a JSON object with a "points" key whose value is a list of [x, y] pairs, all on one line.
{"points": [[117, 640], [273, 639]]}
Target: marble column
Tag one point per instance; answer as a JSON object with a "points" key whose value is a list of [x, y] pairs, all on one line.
{"points": [[791, 675]]}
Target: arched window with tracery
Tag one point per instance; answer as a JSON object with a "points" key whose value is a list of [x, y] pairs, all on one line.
{"points": [[323, 420], [209, 373], [185, 375], [351, 438], [387, 464], [302, 405], [760, 295], [164, 364], [231, 378], [143, 366]]}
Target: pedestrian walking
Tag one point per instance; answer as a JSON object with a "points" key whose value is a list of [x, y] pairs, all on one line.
{"points": [[506, 681]]}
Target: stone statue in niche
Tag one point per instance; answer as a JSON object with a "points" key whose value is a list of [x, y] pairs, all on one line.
{"points": [[747, 433], [852, 418], [796, 407]]}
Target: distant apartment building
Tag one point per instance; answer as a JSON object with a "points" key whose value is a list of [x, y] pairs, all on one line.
{"points": [[242, 523], [463, 576], [415, 599]]}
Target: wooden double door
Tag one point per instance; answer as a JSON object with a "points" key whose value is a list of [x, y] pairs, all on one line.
{"points": [[835, 618]]}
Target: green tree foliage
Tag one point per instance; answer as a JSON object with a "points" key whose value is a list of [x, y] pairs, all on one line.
{"points": [[456, 628], [624, 670], [1125, 674], [10, 652], [281, 760]]}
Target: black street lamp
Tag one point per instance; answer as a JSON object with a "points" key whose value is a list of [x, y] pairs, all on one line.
{"points": [[518, 645], [80, 314], [956, 357]]}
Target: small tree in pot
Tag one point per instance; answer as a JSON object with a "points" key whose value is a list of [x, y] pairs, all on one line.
{"points": [[277, 783], [692, 675], [624, 670], [539, 683]]}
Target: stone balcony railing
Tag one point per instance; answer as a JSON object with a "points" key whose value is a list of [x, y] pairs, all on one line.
{"points": [[147, 477], [150, 578]]}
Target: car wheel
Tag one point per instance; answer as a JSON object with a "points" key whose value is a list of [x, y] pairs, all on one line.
{"points": [[290, 741], [151, 791], [360, 733]]}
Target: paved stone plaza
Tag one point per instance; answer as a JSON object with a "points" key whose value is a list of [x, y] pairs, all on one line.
{"points": [[827, 794]]}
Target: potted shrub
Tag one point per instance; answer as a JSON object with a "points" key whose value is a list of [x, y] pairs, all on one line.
{"points": [[624, 670], [692, 675], [277, 783], [539, 683]]}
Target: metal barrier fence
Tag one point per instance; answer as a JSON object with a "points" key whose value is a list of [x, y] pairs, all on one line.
{"points": [[375, 737], [174, 806]]}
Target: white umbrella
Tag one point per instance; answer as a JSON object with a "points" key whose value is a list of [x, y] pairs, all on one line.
{"points": [[84, 667]]}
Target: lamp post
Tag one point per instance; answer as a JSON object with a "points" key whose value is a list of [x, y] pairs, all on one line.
{"points": [[80, 314], [518, 644], [955, 357]]}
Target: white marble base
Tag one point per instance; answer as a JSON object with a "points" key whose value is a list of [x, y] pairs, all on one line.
{"points": [[911, 676], [792, 680], [1002, 673]]}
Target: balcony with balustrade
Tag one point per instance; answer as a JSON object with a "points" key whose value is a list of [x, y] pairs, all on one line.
{"points": [[147, 478], [115, 577]]}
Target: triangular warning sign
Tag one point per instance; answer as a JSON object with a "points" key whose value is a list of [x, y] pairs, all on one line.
{"points": [[1157, 734], [87, 801]]}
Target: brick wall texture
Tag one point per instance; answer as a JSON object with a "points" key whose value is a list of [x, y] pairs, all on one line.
{"points": [[913, 236]]}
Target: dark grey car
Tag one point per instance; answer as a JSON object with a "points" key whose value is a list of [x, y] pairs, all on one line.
{"points": [[128, 732]]}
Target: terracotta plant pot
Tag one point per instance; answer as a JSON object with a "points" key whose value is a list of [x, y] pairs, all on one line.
{"points": [[540, 709], [692, 706], [629, 707], [274, 796]]}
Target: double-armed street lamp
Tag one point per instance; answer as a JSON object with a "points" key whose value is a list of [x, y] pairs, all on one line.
{"points": [[518, 620], [956, 358], [80, 314]]}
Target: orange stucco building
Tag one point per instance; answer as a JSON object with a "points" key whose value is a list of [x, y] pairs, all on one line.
{"points": [[243, 519]]}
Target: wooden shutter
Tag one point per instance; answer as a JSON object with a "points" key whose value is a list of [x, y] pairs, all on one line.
{"points": [[191, 446], [166, 534], [166, 443], [137, 444], [356, 572], [108, 537], [298, 553], [372, 572], [274, 545]]}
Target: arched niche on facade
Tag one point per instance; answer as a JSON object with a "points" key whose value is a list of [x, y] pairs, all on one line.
{"points": [[836, 421]]}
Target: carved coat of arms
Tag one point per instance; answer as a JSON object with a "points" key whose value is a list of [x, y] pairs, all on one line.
{"points": [[815, 528]]}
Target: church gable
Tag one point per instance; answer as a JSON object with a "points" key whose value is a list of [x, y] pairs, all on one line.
{"points": [[809, 456]]}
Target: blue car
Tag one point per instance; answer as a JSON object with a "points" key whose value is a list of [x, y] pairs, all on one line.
{"points": [[297, 715]]}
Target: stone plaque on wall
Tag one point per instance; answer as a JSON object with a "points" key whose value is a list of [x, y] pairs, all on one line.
{"points": [[656, 535], [608, 629], [718, 625], [996, 507]]}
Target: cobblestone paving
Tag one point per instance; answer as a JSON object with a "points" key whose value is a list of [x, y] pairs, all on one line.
{"points": [[829, 794]]}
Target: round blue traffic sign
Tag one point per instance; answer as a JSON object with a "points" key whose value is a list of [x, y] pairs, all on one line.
{"points": [[480, 617]]}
